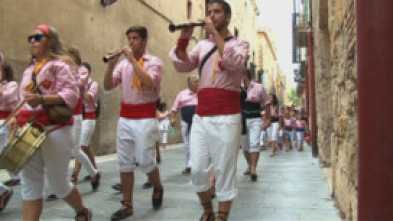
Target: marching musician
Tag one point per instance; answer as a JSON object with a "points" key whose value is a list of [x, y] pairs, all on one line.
{"points": [[8, 101], [86, 158], [56, 85], [140, 77], [215, 134]]}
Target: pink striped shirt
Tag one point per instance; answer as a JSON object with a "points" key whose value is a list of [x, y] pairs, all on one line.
{"points": [[230, 65], [273, 112], [288, 122], [82, 78], [185, 98], [58, 79], [124, 73], [256, 93], [9, 97], [92, 89]]}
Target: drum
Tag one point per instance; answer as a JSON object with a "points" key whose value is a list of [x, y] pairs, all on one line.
{"points": [[21, 146]]}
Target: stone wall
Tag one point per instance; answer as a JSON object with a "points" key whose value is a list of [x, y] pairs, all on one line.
{"points": [[95, 30], [336, 94]]}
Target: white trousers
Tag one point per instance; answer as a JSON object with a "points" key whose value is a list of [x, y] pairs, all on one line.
{"points": [[264, 138], [273, 131], [299, 138], [52, 160], [77, 151], [3, 141], [136, 142], [251, 140], [185, 133], [163, 136], [215, 142], [88, 126]]}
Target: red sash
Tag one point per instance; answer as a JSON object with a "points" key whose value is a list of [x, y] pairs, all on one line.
{"points": [[4, 114], [138, 111], [40, 116], [78, 108], [90, 115], [217, 101]]}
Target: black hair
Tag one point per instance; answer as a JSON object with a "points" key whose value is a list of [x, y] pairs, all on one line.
{"points": [[141, 30], [8, 71], [249, 74], [225, 6], [162, 105], [275, 100], [86, 65]]}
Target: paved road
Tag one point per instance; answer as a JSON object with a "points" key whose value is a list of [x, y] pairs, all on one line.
{"points": [[290, 187]]}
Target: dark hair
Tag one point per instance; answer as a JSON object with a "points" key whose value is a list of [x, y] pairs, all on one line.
{"points": [[249, 74], [8, 71], [75, 54], [86, 65], [162, 105], [275, 100], [140, 29], [225, 6]]}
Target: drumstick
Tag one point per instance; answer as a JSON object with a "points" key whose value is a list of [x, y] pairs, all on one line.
{"points": [[18, 107]]}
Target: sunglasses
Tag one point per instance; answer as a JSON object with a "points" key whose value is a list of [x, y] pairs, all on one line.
{"points": [[36, 37]]}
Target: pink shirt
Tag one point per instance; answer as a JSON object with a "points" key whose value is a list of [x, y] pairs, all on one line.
{"points": [[58, 79], [256, 93], [124, 73], [9, 97], [91, 88], [230, 65], [185, 98], [273, 112], [288, 122], [300, 124]]}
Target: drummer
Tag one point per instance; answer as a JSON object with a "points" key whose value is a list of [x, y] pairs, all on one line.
{"points": [[57, 85], [8, 101]]}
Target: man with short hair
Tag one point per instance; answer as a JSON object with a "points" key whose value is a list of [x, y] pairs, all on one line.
{"points": [[140, 77], [215, 134], [186, 102]]}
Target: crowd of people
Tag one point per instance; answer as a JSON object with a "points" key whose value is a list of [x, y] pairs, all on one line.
{"points": [[220, 109]]}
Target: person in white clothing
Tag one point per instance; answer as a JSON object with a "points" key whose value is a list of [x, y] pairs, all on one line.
{"points": [[163, 124]]}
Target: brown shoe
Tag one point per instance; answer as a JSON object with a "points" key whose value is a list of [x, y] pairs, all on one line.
{"points": [[125, 211], [12, 182], [157, 197], [187, 170], [4, 198]]}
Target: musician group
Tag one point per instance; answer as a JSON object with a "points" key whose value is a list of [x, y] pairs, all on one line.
{"points": [[214, 109]]}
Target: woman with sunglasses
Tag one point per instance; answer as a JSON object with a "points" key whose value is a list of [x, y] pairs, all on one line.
{"points": [[57, 84]]}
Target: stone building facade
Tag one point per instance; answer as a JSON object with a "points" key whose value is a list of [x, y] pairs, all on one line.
{"points": [[334, 37], [95, 30]]}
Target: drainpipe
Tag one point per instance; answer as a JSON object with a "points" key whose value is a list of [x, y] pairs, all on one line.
{"points": [[312, 95], [374, 22]]}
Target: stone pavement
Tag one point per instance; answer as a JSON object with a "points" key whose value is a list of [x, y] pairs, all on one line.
{"points": [[290, 187]]}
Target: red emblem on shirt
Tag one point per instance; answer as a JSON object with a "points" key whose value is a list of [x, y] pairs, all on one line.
{"points": [[221, 66], [46, 84]]}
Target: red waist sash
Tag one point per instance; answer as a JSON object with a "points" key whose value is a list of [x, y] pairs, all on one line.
{"points": [[217, 101], [138, 111], [41, 116], [78, 108], [4, 114], [90, 115]]}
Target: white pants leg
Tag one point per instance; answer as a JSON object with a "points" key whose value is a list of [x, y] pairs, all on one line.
{"points": [[77, 151], [215, 141], [299, 138], [88, 126], [253, 135], [3, 141], [263, 138], [52, 160], [136, 142], [273, 129], [185, 133]]}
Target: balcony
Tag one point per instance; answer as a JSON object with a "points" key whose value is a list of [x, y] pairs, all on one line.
{"points": [[301, 29]]}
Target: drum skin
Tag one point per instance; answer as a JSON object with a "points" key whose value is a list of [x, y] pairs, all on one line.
{"points": [[21, 146]]}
